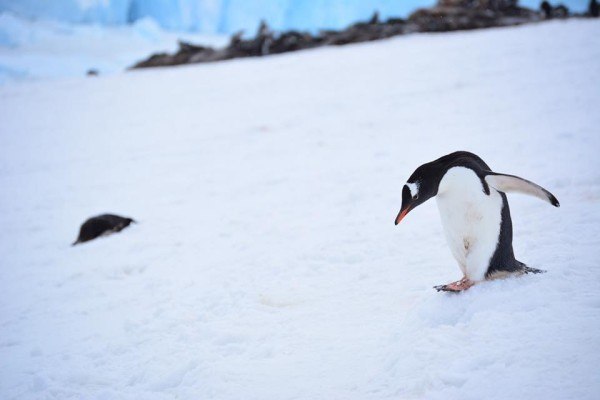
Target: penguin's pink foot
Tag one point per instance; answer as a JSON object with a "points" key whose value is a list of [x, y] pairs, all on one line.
{"points": [[456, 287]]}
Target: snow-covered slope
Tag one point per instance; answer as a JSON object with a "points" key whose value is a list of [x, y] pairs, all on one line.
{"points": [[46, 49], [266, 264]]}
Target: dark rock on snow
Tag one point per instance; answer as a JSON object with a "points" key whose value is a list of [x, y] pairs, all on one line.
{"points": [[266, 42], [101, 225], [446, 15], [593, 9], [550, 11], [452, 15]]}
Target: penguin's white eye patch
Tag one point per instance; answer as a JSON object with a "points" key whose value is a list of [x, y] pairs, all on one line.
{"points": [[414, 189]]}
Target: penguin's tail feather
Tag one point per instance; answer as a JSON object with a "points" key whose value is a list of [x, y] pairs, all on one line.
{"points": [[518, 269], [524, 269], [529, 270]]}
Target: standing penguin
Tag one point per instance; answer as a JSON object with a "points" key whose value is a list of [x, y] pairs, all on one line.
{"points": [[474, 212]]}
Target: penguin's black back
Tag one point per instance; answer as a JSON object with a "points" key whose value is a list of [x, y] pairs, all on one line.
{"points": [[504, 256], [101, 224]]}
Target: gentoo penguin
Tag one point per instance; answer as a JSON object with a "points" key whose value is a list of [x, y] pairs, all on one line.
{"points": [[101, 225], [475, 214]]}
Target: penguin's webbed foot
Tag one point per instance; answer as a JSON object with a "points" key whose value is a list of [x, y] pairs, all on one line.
{"points": [[455, 287]]}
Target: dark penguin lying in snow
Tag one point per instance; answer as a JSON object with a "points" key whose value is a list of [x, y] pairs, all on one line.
{"points": [[475, 214], [101, 225]]}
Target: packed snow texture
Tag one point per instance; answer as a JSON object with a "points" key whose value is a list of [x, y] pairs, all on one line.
{"points": [[265, 264]]}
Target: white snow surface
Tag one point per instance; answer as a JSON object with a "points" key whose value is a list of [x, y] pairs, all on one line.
{"points": [[265, 264], [46, 49]]}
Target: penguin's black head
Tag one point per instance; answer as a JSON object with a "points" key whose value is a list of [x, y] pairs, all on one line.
{"points": [[420, 187]]}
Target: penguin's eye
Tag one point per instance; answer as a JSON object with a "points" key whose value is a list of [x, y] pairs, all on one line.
{"points": [[416, 196]]}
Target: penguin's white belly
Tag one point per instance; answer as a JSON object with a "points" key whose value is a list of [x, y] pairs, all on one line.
{"points": [[471, 220]]}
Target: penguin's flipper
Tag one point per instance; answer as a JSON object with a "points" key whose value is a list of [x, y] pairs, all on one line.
{"points": [[510, 183]]}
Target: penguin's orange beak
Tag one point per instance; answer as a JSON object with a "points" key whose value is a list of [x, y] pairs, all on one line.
{"points": [[401, 215]]}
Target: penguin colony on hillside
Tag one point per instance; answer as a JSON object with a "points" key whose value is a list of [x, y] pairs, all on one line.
{"points": [[475, 214]]}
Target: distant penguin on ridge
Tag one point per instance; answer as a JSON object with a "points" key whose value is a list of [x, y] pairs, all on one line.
{"points": [[474, 212], [101, 225]]}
